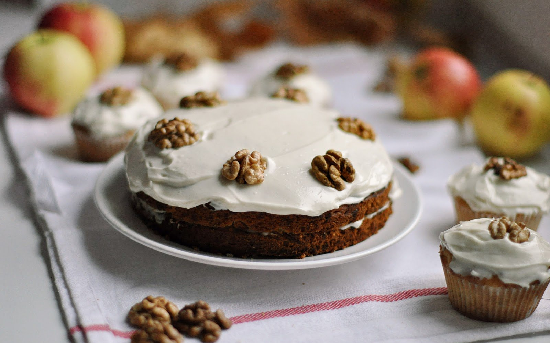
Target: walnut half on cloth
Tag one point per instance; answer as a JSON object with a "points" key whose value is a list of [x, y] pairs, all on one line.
{"points": [[197, 320]]}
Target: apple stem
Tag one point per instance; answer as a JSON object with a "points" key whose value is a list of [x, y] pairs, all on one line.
{"points": [[42, 38]]}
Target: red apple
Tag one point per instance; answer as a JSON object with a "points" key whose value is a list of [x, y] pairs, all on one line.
{"points": [[439, 83], [48, 72], [511, 116], [96, 26]]}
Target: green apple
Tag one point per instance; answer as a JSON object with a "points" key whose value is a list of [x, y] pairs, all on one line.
{"points": [[99, 28], [48, 72], [511, 116]]}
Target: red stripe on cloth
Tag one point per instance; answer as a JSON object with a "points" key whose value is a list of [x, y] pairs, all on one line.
{"points": [[333, 305], [100, 327], [326, 306]]}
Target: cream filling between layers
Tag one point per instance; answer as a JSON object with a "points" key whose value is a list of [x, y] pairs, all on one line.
{"points": [[485, 191], [158, 216], [108, 121], [476, 253], [288, 134], [317, 90], [358, 223], [170, 85]]}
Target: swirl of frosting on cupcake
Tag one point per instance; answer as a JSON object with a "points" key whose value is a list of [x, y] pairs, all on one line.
{"points": [[295, 77], [475, 252], [485, 189], [116, 111], [174, 78]]}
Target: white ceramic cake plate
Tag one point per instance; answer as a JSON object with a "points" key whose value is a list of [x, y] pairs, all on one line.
{"points": [[112, 198]]}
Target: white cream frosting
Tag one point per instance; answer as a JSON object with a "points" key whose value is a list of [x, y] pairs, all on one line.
{"points": [[109, 121], [288, 134], [318, 91], [170, 85], [476, 253], [485, 191]]}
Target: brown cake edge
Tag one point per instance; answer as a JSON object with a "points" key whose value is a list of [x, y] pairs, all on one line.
{"points": [[261, 222], [245, 243]]}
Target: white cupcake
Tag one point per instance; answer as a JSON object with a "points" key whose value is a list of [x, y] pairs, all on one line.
{"points": [[171, 79], [104, 124], [294, 77], [501, 187], [495, 269]]}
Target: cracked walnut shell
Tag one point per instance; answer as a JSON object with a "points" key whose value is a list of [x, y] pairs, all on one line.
{"points": [[332, 169], [289, 70], [294, 94], [201, 99], [245, 167], [173, 133], [116, 96], [357, 127], [507, 169]]}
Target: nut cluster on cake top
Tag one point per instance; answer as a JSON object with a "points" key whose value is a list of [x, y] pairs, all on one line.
{"points": [[245, 167]]}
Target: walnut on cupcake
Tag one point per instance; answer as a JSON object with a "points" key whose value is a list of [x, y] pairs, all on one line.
{"points": [[294, 76], [496, 269], [174, 77], [500, 187], [104, 124]]}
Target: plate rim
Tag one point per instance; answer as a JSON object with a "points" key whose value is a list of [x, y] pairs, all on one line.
{"points": [[115, 165]]}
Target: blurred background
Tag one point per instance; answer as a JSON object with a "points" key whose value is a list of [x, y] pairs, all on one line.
{"points": [[494, 34]]}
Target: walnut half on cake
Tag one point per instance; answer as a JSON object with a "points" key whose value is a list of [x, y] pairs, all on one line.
{"points": [[286, 206]]}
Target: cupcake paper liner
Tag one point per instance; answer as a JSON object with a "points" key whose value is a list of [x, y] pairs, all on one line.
{"points": [[481, 299], [92, 149], [464, 213]]}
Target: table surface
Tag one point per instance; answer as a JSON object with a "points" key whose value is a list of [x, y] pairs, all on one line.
{"points": [[30, 311]]}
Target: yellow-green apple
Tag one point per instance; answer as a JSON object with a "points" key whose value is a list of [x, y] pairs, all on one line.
{"points": [[511, 116], [99, 28], [439, 83], [48, 72]]}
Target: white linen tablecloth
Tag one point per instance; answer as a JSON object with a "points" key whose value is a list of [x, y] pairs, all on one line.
{"points": [[395, 295]]}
